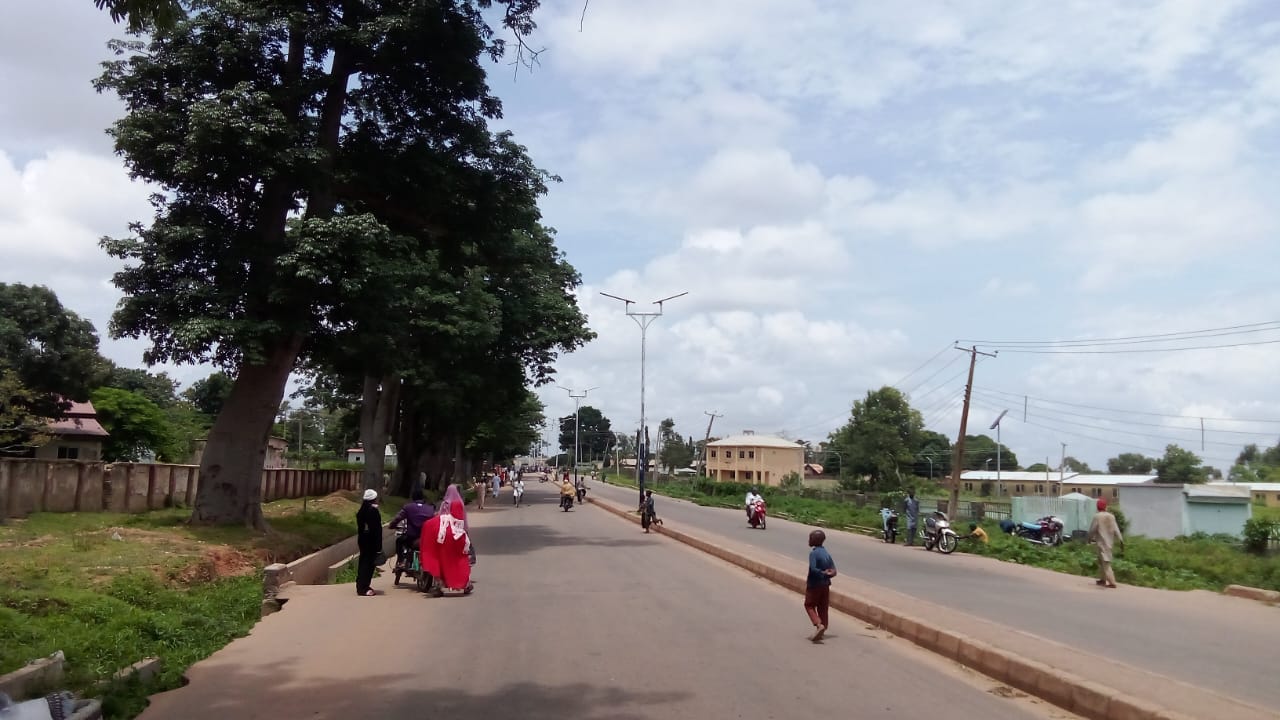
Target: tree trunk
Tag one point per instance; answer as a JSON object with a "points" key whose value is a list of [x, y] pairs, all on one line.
{"points": [[230, 490], [376, 415]]}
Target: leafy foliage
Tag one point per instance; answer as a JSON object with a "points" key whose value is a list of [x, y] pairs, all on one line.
{"points": [[978, 449], [594, 432], [881, 436], [208, 395], [1130, 464], [52, 352], [1180, 465], [136, 427]]}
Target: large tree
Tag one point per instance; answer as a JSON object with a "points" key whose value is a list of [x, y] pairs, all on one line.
{"points": [[933, 454], [48, 358], [136, 428], [595, 433], [245, 114], [979, 449], [1130, 464], [1180, 465], [676, 452], [209, 394], [159, 388], [881, 436]]}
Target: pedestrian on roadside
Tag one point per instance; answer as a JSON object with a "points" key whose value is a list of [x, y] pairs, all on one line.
{"points": [[497, 483], [517, 490], [913, 516], [817, 588], [481, 488], [1104, 533], [369, 540], [649, 514]]}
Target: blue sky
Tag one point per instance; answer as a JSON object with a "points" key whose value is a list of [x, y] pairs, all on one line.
{"points": [[844, 188]]}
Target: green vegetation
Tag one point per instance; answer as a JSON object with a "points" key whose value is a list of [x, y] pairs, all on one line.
{"points": [[110, 589], [1198, 562]]}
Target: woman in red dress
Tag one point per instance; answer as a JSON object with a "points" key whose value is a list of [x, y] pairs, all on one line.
{"points": [[446, 547]]}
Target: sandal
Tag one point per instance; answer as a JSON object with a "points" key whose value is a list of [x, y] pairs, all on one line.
{"points": [[369, 593]]}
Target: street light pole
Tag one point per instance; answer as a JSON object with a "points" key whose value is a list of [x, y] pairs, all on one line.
{"points": [[577, 457], [643, 320], [996, 426]]}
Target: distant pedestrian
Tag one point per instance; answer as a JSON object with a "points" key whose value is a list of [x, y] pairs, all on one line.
{"points": [[481, 488], [913, 516], [1104, 533], [369, 540], [649, 513], [517, 491], [817, 589], [497, 483]]}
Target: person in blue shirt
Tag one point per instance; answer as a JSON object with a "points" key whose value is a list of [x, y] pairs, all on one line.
{"points": [[913, 516], [817, 591]]}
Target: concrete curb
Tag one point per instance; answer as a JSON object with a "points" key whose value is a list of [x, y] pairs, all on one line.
{"points": [[1070, 692], [1271, 597], [35, 678]]}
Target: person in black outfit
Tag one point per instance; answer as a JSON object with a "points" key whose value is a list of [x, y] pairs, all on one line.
{"points": [[369, 538]]}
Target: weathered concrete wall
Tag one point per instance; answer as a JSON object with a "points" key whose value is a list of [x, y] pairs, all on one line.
{"points": [[28, 486]]}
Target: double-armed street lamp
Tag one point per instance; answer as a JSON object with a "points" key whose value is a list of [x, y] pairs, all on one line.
{"points": [[577, 398], [644, 320]]}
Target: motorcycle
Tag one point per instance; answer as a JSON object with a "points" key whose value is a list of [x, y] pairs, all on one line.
{"points": [[566, 502], [889, 525], [937, 533], [759, 514], [410, 564], [1048, 530]]}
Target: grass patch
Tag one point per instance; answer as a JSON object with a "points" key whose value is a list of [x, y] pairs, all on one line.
{"points": [[109, 589], [1186, 563]]}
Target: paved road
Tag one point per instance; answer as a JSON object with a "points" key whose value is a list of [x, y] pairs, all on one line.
{"points": [[575, 615], [1224, 644]]}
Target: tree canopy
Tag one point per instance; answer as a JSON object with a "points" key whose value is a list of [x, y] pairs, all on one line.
{"points": [[1180, 465], [595, 433], [209, 394], [137, 428], [51, 352], [980, 454], [882, 436], [1130, 464]]}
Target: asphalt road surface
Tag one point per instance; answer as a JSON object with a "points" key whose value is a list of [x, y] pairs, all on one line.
{"points": [[577, 615], [1225, 644]]}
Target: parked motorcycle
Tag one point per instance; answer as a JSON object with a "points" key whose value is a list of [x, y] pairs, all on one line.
{"points": [[937, 533], [759, 514], [1048, 530], [889, 524]]}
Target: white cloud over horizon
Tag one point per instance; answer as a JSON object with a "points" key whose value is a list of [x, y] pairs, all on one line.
{"points": [[843, 189]]}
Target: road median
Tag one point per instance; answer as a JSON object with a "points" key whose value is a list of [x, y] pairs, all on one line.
{"points": [[1087, 685]]}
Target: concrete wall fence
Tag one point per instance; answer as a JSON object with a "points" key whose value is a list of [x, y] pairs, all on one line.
{"points": [[29, 486]]}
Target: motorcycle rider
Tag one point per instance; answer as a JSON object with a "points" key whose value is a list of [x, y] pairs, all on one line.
{"points": [[566, 491], [414, 515], [753, 496]]}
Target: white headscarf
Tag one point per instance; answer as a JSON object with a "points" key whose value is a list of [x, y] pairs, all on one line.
{"points": [[449, 523]]}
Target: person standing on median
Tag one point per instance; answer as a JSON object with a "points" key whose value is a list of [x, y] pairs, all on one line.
{"points": [[369, 540], [913, 516], [1104, 533], [817, 589]]}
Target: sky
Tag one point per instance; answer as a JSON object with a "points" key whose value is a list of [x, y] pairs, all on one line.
{"points": [[844, 190]]}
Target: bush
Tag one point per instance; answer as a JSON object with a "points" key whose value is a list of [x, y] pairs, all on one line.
{"points": [[1258, 533], [792, 481], [1121, 520]]}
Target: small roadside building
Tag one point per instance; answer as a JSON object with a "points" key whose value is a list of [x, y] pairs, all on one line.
{"points": [[751, 458], [77, 436], [357, 455], [1263, 493], [1166, 510], [1012, 483]]}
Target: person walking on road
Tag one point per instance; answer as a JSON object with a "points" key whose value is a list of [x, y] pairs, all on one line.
{"points": [[817, 589], [517, 490], [913, 516], [649, 514], [1104, 533], [497, 483], [369, 540], [446, 547], [482, 487]]}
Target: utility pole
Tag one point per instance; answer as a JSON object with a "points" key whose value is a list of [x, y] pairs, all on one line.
{"points": [[643, 320], [996, 426], [1062, 467], [705, 469], [957, 465]]}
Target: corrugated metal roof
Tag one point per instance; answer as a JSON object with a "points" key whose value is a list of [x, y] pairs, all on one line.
{"points": [[1256, 487], [769, 441], [1217, 492]]}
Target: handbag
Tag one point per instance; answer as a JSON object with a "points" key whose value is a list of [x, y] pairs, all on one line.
{"points": [[471, 555], [380, 559]]}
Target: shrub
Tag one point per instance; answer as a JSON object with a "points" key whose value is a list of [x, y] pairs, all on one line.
{"points": [[1258, 533], [791, 481], [1121, 520]]}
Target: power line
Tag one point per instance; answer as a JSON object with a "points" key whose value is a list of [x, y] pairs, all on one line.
{"points": [[922, 365], [1128, 412], [1138, 350], [937, 372], [1162, 337], [997, 398]]}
